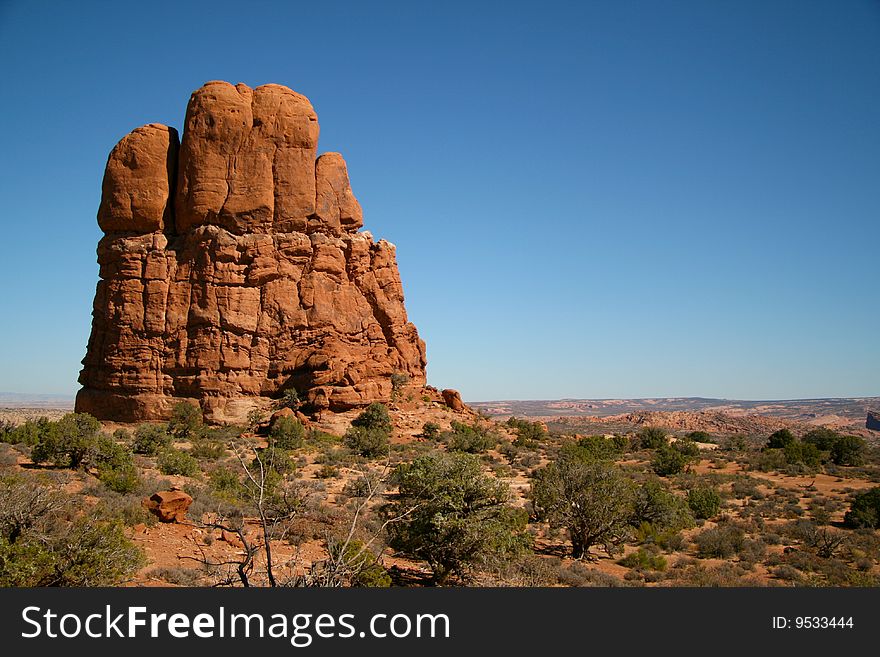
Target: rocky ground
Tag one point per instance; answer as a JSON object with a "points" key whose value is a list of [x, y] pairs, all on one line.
{"points": [[764, 505]]}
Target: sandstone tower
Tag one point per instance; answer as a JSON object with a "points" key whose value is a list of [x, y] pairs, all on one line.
{"points": [[232, 268]]}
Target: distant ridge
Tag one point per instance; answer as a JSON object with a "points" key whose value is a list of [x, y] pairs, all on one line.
{"points": [[36, 400], [849, 409]]}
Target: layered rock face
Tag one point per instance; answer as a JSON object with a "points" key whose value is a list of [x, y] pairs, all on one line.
{"points": [[232, 269]]}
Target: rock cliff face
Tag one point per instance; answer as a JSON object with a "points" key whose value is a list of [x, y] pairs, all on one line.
{"points": [[232, 269], [872, 421]]}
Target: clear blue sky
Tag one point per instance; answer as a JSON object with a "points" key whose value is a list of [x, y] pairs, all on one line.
{"points": [[589, 199]]}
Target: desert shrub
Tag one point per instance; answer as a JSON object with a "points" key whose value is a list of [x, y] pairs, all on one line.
{"points": [[801, 453], [28, 433], [338, 456], [769, 459], [274, 458], [705, 502], [40, 546], [399, 380], [359, 564], [290, 399], [864, 510], [687, 447], [369, 442], [68, 442], [125, 507], [720, 542], [745, 487], [780, 439], [176, 462], [453, 516], [431, 430], [376, 417], [327, 471], [287, 433], [473, 439], [118, 473], [735, 443], [669, 461], [207, 448], [186, 420], [848, 450], [178, 576], [150, 439], [527, 433], [595, 447], [225, 484], [642, 559], [592, 500], [822, 438], [786, 572], [700, 437], [655, 504], [652, 437]]}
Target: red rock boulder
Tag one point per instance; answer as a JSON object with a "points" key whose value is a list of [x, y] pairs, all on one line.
{"points": [[168, 505]]}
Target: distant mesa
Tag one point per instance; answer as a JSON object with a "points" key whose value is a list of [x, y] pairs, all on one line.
{"points": [[232, 268]]}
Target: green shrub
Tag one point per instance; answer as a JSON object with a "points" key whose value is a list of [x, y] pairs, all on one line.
{"points": [[360, 563], [705, 502], [375, 416], [592, 500], [40, 547], [701, 437], [274, 458], [176, 462], [644, 560], [669, 461], [287, 433], [290, 399], [848, 450], [687, 447], [800, 453], [864, 510], [655, 504], [28, 433], [591, 448], [822, 438], [720, 542], [116, 469], [453, 516], [226, 484], [208, 449], [527, 433], [652, 437], [431, 430], [399, 380], [186, 420], [69, 442], [150, 439], [780, 439], [473, 439], [735, 443], [367, 442], [327, 471]]}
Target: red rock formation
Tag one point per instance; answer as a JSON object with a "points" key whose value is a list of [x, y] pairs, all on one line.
{"points": [[232, 268], [452, 399], [168, 505]]}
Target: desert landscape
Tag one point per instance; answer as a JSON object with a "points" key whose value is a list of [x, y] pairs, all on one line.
{"points": [[254, 411]]}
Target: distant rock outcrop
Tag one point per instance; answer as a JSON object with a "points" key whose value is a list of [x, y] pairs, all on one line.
{"points": [[232, 269], [873, 421]]}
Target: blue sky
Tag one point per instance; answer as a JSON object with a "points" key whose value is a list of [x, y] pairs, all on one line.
{"points": [[589, 199]]}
